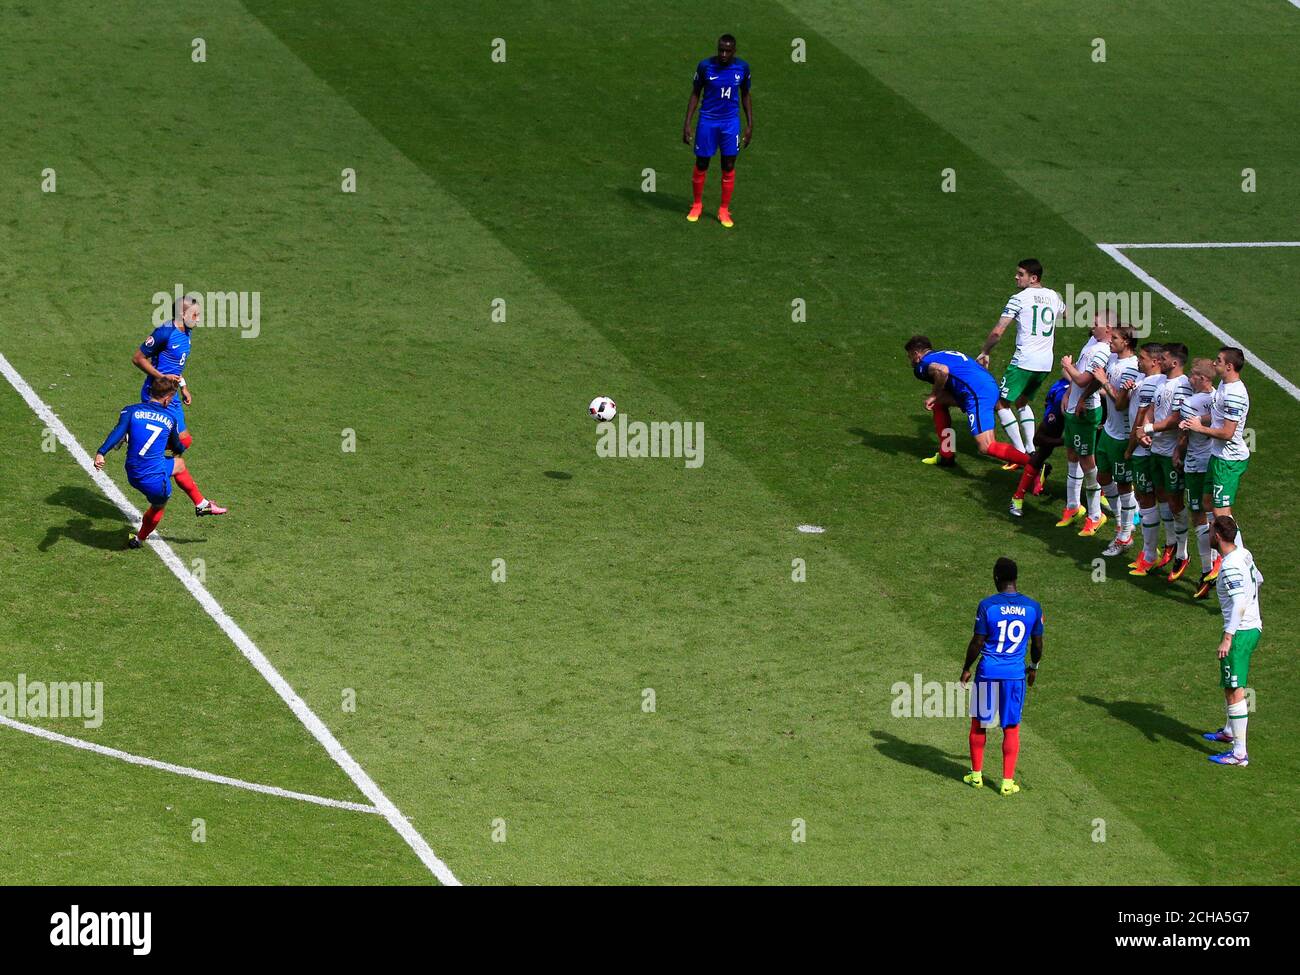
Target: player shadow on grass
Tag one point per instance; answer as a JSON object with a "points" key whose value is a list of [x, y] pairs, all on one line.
{"points": [[91, 508], [926, 757], [1151, 720], [660, 201]]}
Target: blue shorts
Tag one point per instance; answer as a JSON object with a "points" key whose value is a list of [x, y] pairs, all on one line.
{"points": [[175, 409], [997, 701], [157, 488], [712, 135], [980, 405]]}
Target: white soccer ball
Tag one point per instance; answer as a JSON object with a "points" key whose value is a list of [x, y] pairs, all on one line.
{"points": [[602, 409]]}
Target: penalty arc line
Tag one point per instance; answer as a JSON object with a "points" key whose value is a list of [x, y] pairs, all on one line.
{"points": [[1113, 250], [237, 636], [193, 773]]}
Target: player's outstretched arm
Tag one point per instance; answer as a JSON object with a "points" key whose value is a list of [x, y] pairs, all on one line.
{"points": [[115, 437], [995, 336]]}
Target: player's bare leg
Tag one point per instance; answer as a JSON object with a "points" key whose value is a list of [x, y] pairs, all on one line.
{"points": [[184, 480], [728, 184]]}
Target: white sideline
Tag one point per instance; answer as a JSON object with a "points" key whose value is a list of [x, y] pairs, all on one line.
{"points": [[194, 773], [1183, 306], [1198, 245], [237, 636]]}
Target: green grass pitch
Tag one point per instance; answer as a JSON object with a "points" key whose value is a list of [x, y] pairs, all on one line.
{"points": [[506, 718]]}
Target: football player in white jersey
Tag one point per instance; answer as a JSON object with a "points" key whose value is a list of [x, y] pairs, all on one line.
{"points": [[1238, 584], [1229, 407], [1036, 311], [1161, 434], [1118, 381], [1082, 424], [1150, 355], [1193, 455]]}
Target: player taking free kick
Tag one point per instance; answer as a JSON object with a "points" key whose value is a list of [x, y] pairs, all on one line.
{"points": [[1005, 624], [959, 381], [720, 87], [149, 429]]}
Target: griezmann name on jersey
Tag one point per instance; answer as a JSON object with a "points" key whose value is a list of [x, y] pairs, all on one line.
{"points": [[148, 430], [1006, 620]]}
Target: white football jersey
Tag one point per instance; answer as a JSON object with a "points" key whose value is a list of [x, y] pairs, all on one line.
{"points": [[1230, 402], [1036, 311], [1094, 355], [1197, 458], [1239, 577], [1169, 402], [1118, 372], [1144, 395]]}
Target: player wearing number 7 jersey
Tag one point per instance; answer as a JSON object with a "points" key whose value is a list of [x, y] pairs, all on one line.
{"points": [[1006, 624], [149, 429]]}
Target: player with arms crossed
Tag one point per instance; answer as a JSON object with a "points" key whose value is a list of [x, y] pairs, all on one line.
{"points": [[958, 381], [720, 87], [1047, 438], [1238, 585], [1229, 454], [164, 353], [1006, 623], [1118, 380], [1082, 424], [1035, 311], [149, 429], [1193, 453]]}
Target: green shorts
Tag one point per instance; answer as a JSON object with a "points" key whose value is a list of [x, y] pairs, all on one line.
{"points": [[1234, 669], [1017, 382], [1081, 432], [1169, 477], [1143, 467], [1224, 477], [1195, 482], [1110, 458]]}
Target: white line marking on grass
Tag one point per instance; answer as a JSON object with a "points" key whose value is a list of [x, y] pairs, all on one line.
{"points": [[1206, 246], [194, 773], [237, 636], [1114, 251]]}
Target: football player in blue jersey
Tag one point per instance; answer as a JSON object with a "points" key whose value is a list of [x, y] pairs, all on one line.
{"points": [[1006, 624], [720, 87], [959, 380], [164, 353], [149, 428]]}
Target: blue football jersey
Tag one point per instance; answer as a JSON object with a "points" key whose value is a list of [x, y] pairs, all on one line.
{"points": [[167, 347], [1055, 398], [966, 377], [720, 88], [148, 430], [1006, 620]]}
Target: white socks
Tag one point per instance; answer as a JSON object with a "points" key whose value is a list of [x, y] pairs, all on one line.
{"points": [[1150, 532], [1237, 719], [1180, 530], [1027, 424], [1093, 490], [1073, 481], [1128, 506], [1203, 547], [1012, 428], [1167, 520]]}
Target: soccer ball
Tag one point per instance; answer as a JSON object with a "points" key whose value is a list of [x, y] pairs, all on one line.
{"points": [[602, 409]]}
